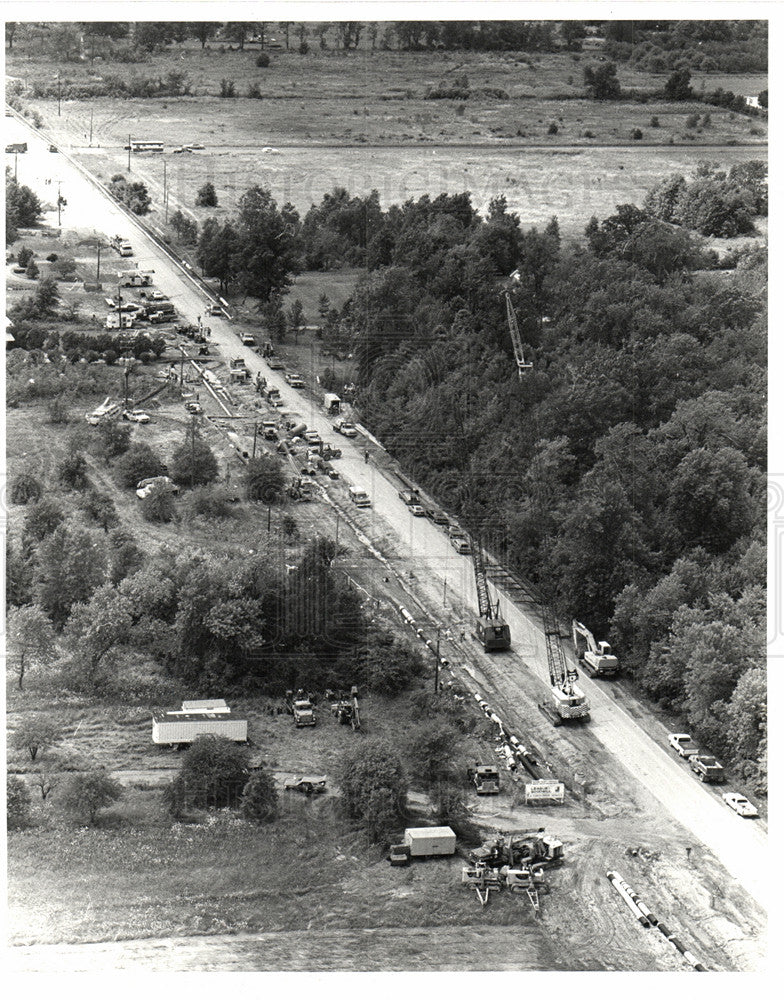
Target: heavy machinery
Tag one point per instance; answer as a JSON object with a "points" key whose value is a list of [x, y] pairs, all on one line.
{"points": [[485, 779], [569, 702], [596, 658], [301, 707], [514, 331], [531, 847], [491, 630], [301, 489], [346, 709]]}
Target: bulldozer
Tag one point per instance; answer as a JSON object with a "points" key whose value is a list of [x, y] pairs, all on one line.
{"points": [[520, 851]]}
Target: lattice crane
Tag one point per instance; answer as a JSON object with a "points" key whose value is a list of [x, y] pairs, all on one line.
{"points": [[514, 332]]}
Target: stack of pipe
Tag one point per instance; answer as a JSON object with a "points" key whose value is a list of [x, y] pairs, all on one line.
{"points": [[647, 919]]}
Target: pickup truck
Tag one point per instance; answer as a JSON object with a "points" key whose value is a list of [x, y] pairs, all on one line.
{"points": [[706, 768], [345, 428], [409, 497], [683, 744], [460, 544], [308, 784]]}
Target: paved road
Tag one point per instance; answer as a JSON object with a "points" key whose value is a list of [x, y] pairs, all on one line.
{"points": [[740, 845]]}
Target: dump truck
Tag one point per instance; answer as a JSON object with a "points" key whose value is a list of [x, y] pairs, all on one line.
{"points": [[707, 768], [301, 707], [485, 778]]}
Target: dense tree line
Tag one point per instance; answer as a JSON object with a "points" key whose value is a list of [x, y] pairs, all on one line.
{"points": [[625, 474], [709, 46]]}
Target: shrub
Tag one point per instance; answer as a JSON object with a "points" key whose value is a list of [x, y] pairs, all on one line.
{"points": [[654, 122], [254, 91], [32, 270], [213, 775], [41, 519], [227, 88], [304, 48], [139, 462], [25, 487], [24, 256], [588, 134], [17, 803], [552, 129], [158, 507], [113, 439], [99, 507], [193, 463], [263, 59], [260, 798], [264, 479], [636, 134], [290, 529], [72, 471], [84, 795], [692, 121], [373, 787], [206, 196], [431, 751], [211, 502]]}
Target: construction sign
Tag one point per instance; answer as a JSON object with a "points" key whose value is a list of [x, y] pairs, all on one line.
{"points": [[537, 792]]}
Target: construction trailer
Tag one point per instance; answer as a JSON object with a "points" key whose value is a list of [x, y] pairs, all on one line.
{"points": [[430, 841], [181, 727], [596, 658]]}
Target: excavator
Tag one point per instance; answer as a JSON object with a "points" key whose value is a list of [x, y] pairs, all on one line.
{"points": [[569, 702], [596, 658], [491, 630]]}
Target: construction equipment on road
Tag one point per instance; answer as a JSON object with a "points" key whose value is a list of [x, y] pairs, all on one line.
{"points": [[485, 778], [596, 658], [491, 630], [569, 702], [238, 370], [301, 707], [346, 708], [514, 331]]}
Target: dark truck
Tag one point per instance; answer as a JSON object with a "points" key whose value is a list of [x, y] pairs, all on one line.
{"points": [[707, 768]]}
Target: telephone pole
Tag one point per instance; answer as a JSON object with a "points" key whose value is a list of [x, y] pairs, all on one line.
{"points": [[193, 448], [165, 196], [98, 266], [129, 151], [59, 204], [91, 126], [58, 95]]}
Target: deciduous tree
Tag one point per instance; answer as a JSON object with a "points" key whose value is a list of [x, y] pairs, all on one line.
{"points": [[30, 638]]}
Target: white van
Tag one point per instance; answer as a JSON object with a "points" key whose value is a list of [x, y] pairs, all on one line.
{"points": [[358, 496]]}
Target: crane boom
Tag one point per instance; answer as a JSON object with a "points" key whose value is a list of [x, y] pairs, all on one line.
{"points": [[517, 341], [562, 676], [491, 630], [486, 608]]}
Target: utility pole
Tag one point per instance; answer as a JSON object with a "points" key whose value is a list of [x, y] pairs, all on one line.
{"points": [[119, 308], [91, 126], [165, 196], [269, 519], [438, 656], [58, 95], [126, 374], [444, 591], [98, 266], [337, 527], [16, 156], [193, 448], [255, 434], [129, 151], [58, 204]]}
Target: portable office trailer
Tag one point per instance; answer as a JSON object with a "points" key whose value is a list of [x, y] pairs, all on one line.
{"points": [[206, 705], [171, 728], [429, 841]]}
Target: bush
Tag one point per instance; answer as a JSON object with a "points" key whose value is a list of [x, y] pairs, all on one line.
{"points": [[32, 270], [290, 529], [24, 256], [213, 775], [264, 479], [158, 507], [193, 463], [41, 519], [227, 88], [304, 48], [552, 129], [17, 803], [260, 798], [636, 134], [206, 196], [263, 59], [654, 123], [373, 787], [211, 502], [431, 751], [113, 439], [84, 795], [99, 507], [72, 471], [139, 462], [387, 666], [254, 91], [23, 488], [692, 121]]}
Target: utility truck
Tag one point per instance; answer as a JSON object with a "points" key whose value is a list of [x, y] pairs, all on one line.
{"points": [[135, 279], [596, 658]]}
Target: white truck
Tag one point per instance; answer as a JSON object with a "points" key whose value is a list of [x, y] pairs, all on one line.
{"points": [[135, 279], [345, 428], [122, 246], [117, 321], [358, 496]]}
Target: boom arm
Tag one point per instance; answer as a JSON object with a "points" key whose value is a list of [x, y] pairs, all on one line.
{"points": [[487, 610], [561, 676], [517, 342], [579, 629]]}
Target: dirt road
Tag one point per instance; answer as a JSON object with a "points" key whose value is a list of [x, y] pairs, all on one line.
{"points": [[740, 846]]}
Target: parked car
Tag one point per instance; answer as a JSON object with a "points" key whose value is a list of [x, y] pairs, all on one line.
{"points": [[148, 486], [276, 364], [248, 340], [461, 544], [417, 510], [409, 496], [193, 407], [740, 804], [295, 381], [437, 516], [683, 744], [136, 416], [53, 148], [197, 145], [308, 784], [213, 309]]}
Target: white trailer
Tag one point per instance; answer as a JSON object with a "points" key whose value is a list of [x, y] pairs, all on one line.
{"points": [[430, 841], [173, 728], [332, 402], [206, 705]]}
